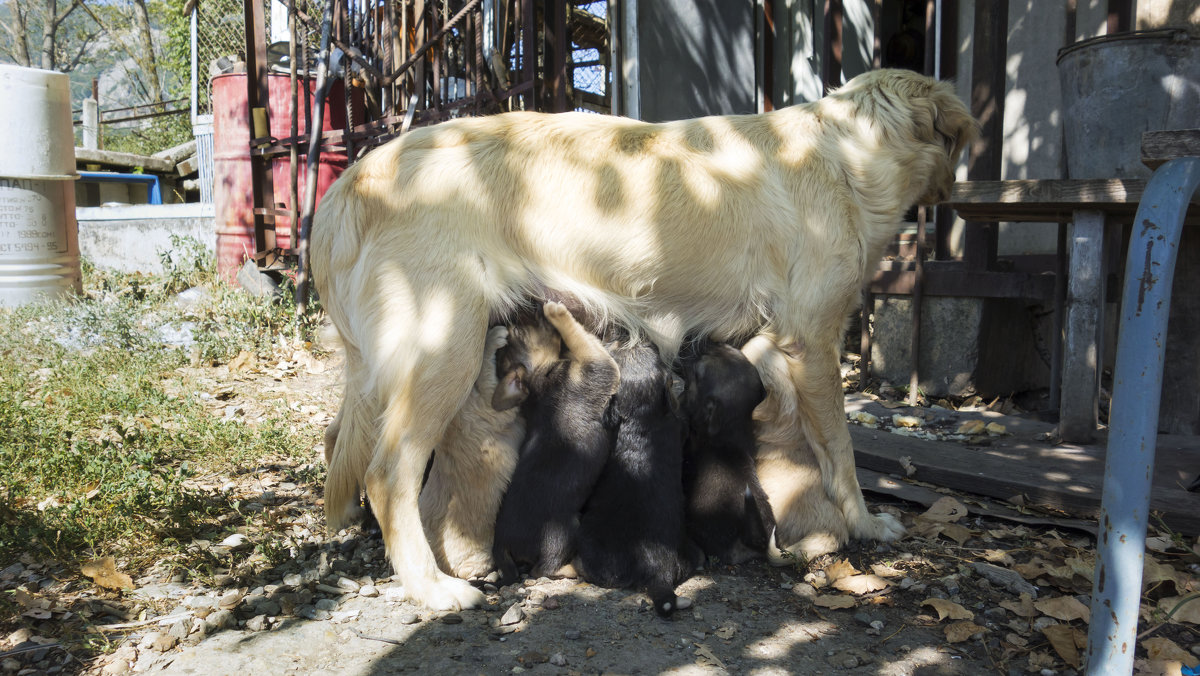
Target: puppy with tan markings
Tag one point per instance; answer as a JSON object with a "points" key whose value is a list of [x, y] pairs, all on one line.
{"points": [[567, 439], [719, 226], [728, 514], [471, 469], [632, 528]]}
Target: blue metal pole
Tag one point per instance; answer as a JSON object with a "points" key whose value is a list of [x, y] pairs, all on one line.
{"points": [[1133, 424]]}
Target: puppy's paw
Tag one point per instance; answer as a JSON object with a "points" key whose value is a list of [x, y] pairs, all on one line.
{"points": [[497, 337], [446, 593], [555, 311], [883, 527]]}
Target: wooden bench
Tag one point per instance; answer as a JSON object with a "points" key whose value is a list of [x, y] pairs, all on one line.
{"points": [[1087, 206]]}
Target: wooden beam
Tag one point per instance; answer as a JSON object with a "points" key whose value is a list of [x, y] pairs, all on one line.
{"points": [[123, 160], [1158, 147], [1049, 200]]}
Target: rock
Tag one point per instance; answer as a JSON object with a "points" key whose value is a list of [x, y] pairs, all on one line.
{"points": [[235, 541], [9, 664], [163, 643], [311, 613], [451, 618], [219, 620], [21, 635], [346, 584], [230, 600], [408, 617], [325, 604], [558, 660], [1003, 577], [180, 629], [368, 591], [551, 603], [513, 615], [293, 580], [572, 634], [257, 623]]}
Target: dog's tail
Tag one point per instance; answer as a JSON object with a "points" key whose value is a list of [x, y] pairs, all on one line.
{"points": [[801, 552]]}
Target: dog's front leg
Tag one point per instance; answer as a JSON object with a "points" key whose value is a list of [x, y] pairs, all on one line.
{"points": [[817, 378]]}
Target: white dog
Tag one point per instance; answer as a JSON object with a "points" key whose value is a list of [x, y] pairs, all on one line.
{"points": [[724, 226]]}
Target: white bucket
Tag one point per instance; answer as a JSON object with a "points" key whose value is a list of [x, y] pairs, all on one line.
{"points": [[39, 237]]}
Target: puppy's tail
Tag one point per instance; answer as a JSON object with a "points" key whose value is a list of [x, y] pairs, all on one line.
{"points": [[664, 599]]}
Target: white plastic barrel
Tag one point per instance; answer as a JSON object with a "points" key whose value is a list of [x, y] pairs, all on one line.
{"points": [[39, 237]]}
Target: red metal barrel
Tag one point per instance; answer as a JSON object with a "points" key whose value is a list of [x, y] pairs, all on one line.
{"points": [[233, 198]]}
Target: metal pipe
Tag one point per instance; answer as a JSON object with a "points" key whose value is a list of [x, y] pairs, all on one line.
{"points": [[1133, 423], [316, 124]]}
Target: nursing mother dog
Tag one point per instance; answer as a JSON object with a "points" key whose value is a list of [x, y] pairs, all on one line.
{"points": [[727, 227]]}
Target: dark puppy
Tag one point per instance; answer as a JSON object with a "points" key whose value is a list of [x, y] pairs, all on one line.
{"points": [[728, 515], [566, 439], [632, 528]]}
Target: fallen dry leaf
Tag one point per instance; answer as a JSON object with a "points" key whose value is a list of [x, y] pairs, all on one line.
{"points": [[835, 602], [1063, 608], [861, 584], [1016, 640], [883, 570], [1154, 572], [105, 574], [244, 361], [1161, 648], [948, 609], [1066, 641], [707, 657], [998, 556], [1189, 612], [839, 569], [959, 534], [945, 510], [1021, 608], [971, 427], [961, 631]]}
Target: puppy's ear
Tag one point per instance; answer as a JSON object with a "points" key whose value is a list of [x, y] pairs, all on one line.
{"points": [[511, 391], [674, 392], [708, 415]]}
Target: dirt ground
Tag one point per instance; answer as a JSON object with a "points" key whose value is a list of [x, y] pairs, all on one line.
{"points": [[960, 594]]}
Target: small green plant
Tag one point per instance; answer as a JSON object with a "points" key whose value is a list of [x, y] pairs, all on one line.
{"points": [[100, 436]]}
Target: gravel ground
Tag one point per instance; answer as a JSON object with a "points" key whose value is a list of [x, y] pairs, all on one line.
{"points": [[960, 594]]}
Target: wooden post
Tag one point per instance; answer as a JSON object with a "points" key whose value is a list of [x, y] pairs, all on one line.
{"points": [[1082, 358]]}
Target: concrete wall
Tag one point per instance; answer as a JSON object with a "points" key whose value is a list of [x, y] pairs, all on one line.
{"points": [[129, 238]]}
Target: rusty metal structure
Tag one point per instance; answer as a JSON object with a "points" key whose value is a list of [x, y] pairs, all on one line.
{"points": [[404, 64]]}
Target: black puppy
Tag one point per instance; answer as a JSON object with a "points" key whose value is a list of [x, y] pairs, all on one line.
{"points": [[632, 528], [566, 442], [728, 515]]}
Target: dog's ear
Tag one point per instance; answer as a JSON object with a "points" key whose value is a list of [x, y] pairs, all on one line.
{"points": [[512, 389]]}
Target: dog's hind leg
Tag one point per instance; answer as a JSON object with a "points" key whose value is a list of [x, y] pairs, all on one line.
{"points": [[426, 382]]}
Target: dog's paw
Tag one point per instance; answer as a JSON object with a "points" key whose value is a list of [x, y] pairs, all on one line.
{"points": [[497, 337], [446, 593], [555, 311], [882, 527]]}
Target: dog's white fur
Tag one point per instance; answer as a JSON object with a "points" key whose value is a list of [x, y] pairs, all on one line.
{"points": [[725, 226], [472, 466]]}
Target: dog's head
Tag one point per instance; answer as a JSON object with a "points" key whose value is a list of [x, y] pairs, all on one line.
{"points": [[921, 115]]}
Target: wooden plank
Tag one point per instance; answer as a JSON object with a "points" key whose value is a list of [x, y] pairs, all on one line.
{"points": [[975, 284], [1160, 146], [1048, 200], [1084, 318], [1067, 478], [123, 160]]}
